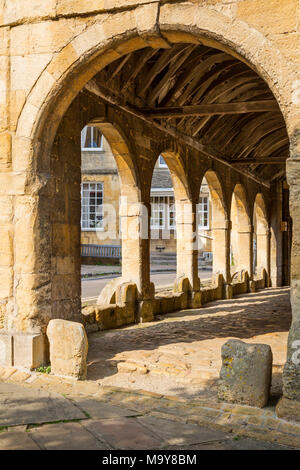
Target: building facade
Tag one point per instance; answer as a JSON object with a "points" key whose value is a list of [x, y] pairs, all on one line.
{"points": [[100, 198]]}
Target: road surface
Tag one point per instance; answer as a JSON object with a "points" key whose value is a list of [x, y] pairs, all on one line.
{"points": [[92, 287]]}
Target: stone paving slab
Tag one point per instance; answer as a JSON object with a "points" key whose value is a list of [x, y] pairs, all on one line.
{"points": [[232, 444], [65, 436], [17, 440], [174, 433], [19, 405], [123, 433], [101, 410]]}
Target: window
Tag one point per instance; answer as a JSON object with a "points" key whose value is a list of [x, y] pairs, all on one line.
{"points": [[158, 212], [161, 162], [91, 138], [162, 212], [203, 212], [172, 214], [92, 206]]}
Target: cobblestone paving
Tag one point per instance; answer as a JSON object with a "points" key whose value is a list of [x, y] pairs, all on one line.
{"points": [[181, 353]]}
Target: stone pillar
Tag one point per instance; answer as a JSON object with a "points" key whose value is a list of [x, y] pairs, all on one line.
{"points": [[221, 249], [187, 249], [276, 237], [263, 250], [291, 373], [135, 222], [244, 250]]}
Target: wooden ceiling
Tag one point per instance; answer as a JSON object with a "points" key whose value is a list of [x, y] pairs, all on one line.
{"points": [[208, 98]]}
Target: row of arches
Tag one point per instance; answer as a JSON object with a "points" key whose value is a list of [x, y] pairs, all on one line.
{"points": [[239, 226]]}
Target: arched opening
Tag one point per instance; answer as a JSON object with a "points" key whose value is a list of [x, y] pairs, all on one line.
{"points": [[173, 220], [188, 95], [215, 224], [241, 246], [162, 226], [261, 238], [101, 253]]}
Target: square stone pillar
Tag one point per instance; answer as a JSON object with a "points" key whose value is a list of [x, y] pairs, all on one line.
{"points": [[244, 250], [187, 249], [221, 249], [263, 251], [276, 250], [135, 222], [291, 373]]}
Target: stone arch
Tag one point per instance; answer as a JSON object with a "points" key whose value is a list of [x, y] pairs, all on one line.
{"points": [[78, 61], [96, 47], [241, 231], [185, 207], [123, 154], [134, 215], [262, 234]]}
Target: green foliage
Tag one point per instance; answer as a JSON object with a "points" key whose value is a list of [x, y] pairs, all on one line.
{"points": [[44, 369]]}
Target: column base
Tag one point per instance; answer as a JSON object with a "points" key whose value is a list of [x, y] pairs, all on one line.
{"points": [[23, 350], [145, 312], [288, 409], [228, 291]]}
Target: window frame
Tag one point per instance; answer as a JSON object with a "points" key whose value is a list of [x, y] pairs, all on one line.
{"points": [[88, 205], [83, 138], [200, 226], [168, 207]]}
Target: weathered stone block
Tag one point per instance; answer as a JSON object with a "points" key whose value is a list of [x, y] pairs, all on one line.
{"points": [[291, 371], [146, 311], [228, 291], [29, 350], [6, 350], [246, 373], [167, 304], [68, 348], [196, 300], [288, 409]]}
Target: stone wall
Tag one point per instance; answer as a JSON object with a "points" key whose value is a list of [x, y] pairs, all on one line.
{"points": [[48, 52]]}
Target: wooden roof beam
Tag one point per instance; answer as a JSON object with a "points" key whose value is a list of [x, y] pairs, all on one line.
{"points": [[259, 161], [261, 106], [110, 97]]}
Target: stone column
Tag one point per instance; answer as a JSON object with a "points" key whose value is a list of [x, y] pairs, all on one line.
{"points": [[187, 249], [221, 249], [276, 237], [290, 404], [135, 222], [263, 250], [244, 250]]}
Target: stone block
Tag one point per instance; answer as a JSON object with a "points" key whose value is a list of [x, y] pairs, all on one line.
{"points": [[291, 371], [167, 305], [29, 350], [228, 291], [252, 286], [288, 409], [196, 300], [146, 311], [246, 373], [6, 350], [68, 348]]}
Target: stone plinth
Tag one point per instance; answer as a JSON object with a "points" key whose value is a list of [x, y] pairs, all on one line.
{"points": [[246, 373], [6, 348], [68, 348]]}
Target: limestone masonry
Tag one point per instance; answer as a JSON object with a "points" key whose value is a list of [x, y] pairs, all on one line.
{"points": [[211, 85]]}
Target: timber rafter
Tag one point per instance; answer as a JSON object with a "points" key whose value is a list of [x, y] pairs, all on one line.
{"points": [[207, 98]]}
